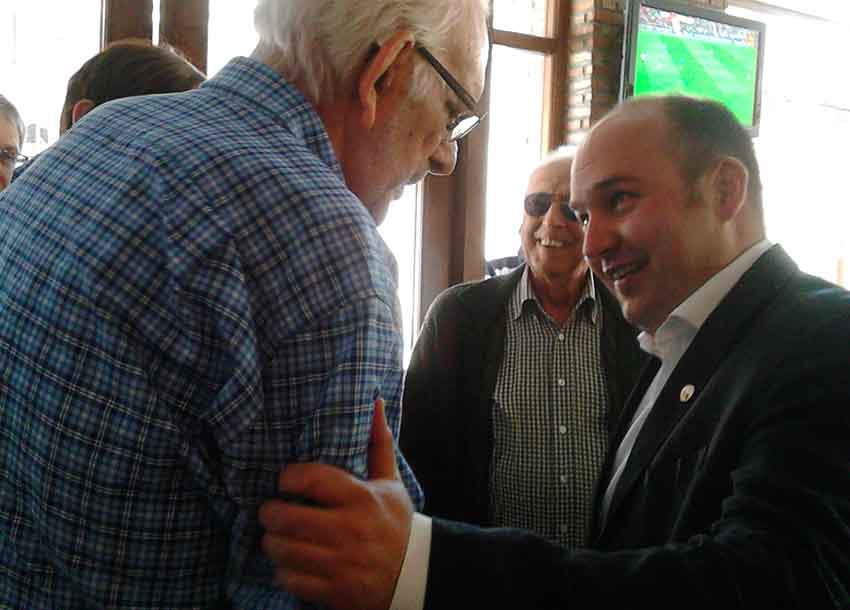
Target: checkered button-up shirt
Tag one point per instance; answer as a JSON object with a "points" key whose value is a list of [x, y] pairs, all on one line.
{"points": [[549, 418], [190, 299]]}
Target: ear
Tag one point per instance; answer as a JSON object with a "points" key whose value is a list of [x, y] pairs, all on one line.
{"points": [[80, 109], [729, 187], [380, 72]]}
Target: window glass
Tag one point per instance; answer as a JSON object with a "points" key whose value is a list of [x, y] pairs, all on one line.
{"points": [[802, 141], [400, 231], [515, 146], [42, 43], [231, 32], [523, 16]]}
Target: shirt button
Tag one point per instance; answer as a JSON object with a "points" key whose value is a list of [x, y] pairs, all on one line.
{"points": [[562, 382], [561, 337], [562, 429], [563, 478]]}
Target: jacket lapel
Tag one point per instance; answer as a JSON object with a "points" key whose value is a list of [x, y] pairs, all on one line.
{"points": [[621, 357], [622, 426], [725, 327]]}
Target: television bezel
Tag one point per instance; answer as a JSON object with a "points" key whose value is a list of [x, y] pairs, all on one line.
{"points": [[630, 33]]}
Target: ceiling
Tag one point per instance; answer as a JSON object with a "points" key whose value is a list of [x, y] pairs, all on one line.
{"points": [[833, 10]]}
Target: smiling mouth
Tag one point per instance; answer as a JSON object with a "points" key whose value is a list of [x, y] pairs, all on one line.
{"points": [[619, 272], [550, 243]]}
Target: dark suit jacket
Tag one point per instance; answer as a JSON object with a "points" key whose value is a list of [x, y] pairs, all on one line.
{"points": [[737, 499], [446, 431]]}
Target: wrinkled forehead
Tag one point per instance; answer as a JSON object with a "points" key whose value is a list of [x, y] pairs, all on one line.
{"points": [[551, 177]]}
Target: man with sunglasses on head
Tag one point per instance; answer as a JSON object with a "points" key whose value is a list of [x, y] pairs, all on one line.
{"points": [[516, 381], [195, 295]]}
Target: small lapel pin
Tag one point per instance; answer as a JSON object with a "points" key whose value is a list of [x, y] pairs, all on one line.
{"points": [[686, 393]]}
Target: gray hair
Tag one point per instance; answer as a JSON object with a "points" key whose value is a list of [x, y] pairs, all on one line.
{"points": [[321, 43], [10, 113]]}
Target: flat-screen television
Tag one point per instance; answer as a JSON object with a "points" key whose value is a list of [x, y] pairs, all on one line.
{"points": [[671, 47]]}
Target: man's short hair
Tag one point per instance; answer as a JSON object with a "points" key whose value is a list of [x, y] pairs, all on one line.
{"points": [[321, 43], [127, 68], [704, 131], [11, 114]]}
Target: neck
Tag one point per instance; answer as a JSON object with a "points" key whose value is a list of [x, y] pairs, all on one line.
{"points": [[558, 295], [333, 115]]}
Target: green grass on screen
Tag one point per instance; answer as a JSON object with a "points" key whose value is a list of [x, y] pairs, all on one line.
{"points": [[722, 71]]}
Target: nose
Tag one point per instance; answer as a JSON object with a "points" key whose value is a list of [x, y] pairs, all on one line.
{"points": [[599, 238], [444, 158], [555, 216]]}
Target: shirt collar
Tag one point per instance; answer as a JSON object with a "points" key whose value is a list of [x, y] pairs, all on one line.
{"points": [[255, 84], [676, 332], [524, 292]]}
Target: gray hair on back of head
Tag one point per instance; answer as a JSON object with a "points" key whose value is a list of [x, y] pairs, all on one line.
{"points": [[11, 114], [321, 43]]}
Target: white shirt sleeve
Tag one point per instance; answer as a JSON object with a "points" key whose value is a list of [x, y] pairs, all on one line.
{"points": [[410, 588]]}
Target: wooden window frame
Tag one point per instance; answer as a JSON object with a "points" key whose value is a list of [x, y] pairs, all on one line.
{"points": [[182, 24], [455, 206]]}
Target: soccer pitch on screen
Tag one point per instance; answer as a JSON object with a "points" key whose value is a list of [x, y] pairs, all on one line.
{"points": [[719, 70]]}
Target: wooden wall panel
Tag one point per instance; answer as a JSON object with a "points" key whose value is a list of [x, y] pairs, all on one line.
{"points": [[127, 19], [183, 24], [437, 217], [453, 217]]}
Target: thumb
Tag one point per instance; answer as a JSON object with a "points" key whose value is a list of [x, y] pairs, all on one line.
{"points": [[382, 464]]}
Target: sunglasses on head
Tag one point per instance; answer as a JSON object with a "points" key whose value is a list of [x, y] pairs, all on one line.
{"points": [[537, 204]]}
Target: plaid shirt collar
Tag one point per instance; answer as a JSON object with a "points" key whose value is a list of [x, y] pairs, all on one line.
{"points": [[262, 89]]}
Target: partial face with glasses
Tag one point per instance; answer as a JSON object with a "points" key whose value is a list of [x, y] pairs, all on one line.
{"points": [[551, 235], [418, 102], [10, 155], [463, 121]]}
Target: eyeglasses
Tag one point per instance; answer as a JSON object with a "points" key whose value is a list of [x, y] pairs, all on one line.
{"points": [[537, 204], [462, 125], [11, 158]]}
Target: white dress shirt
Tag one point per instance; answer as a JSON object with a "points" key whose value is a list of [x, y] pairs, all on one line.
{"points": [[669, 344]]}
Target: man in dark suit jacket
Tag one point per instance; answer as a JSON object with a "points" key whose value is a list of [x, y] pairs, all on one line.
{"points": [[516, 381], [728, 484]]}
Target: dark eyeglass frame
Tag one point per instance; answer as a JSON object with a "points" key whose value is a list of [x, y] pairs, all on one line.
{"points": [[537, 204], [12, 158], [468, 123]]}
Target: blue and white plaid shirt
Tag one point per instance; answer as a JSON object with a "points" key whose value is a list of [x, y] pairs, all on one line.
{"points": [[190, 299]]}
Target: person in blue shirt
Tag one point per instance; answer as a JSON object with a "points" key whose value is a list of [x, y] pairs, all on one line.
{"points": [[194, 295]]}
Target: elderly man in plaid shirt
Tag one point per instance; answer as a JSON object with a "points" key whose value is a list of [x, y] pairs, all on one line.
{"points": [[194, 295]]}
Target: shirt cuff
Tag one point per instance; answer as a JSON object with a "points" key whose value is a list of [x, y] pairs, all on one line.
{"points": [[410, 588]]}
